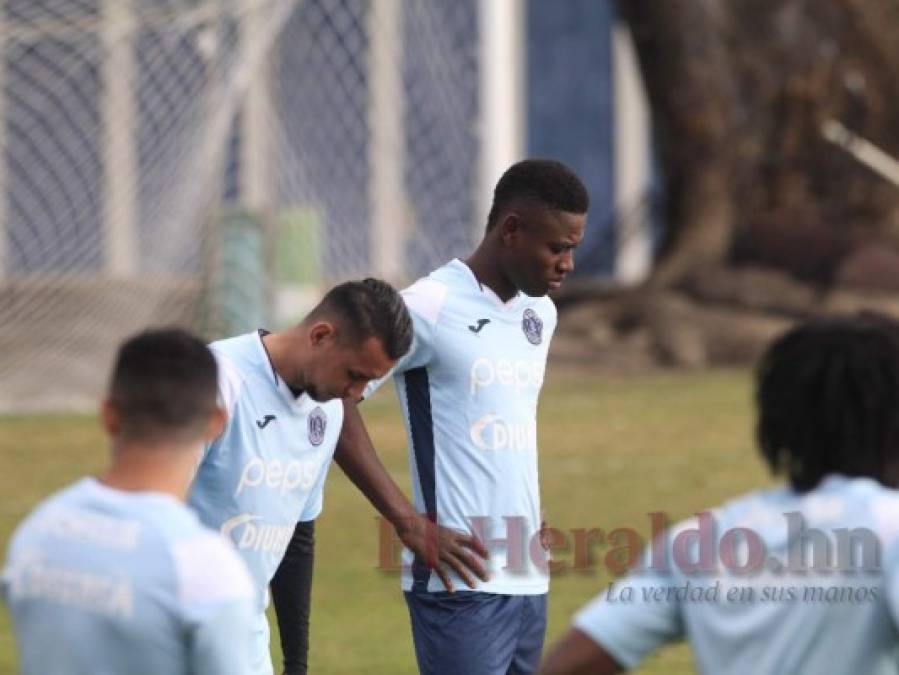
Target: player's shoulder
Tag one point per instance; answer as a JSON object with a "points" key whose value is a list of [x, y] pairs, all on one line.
{"points": [[234, 346], [333, 410], [882, 505], [67, 497], [427, 296], [34, 521], [195, 555], [545, 307], [239, 353], [73, 493], [232, 356]]}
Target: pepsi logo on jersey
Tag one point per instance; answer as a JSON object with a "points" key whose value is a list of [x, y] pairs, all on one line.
{"points": [[518, 375], [277, 475]]}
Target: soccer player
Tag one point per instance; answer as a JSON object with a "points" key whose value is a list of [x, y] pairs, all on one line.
{"points": [[807, 575], [468, 390], [260, 482], [115, 574]]}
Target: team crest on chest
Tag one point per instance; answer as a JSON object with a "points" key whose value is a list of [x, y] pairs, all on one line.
{"points": [[318, 422], [532, 325]]}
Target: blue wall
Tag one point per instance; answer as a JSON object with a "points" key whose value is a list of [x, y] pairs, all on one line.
{"points": [[570, 110]]}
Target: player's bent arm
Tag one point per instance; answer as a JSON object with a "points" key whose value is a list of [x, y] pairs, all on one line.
{"points": [[356, 455], [291, 590], [577, 654]]}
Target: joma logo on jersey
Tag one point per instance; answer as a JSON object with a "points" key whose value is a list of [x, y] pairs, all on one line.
{"points": [[517, 375], [491, 432], [277, 475], [247, 532]]}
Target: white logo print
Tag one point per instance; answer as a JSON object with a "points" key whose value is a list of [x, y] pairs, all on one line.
{"points": [[278, 475], [30, 576], [517, 375], [490, 432], [248, 533]]}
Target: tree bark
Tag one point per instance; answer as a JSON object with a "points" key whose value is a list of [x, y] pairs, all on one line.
{"points": [[738, 92], [680, 45]]}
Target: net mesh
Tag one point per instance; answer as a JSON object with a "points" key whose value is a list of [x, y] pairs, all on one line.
{"points": [[215, 163]]}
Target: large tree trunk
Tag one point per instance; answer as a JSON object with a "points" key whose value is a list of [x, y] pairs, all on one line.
{"points": [[687, 77], [767, 222], [739, 91]]}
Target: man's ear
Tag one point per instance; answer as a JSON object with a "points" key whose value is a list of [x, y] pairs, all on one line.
{"points": [[321, 332], [109, 417], [510, 228], [216, 424]]}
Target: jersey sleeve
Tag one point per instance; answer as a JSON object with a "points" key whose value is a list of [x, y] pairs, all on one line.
{"points": [[315, 503], [633, 617], [217, 609], [552, 317], [424, 299], [230, 384]]}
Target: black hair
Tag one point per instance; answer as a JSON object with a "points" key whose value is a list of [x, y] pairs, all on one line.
{"points": [[828, 400], [163, 384], [370, 308], [544, 182]]}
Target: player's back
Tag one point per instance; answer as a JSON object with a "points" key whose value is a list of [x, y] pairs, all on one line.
{"points": [[104, 581], [796, 583], [825, 594]]}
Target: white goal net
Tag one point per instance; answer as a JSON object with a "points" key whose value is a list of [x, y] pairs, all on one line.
{"points": [[215, 163]]}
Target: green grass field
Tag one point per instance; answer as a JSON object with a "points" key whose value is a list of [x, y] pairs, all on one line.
{"points": [[612, 450]]}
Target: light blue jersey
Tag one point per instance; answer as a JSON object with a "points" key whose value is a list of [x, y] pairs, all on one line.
{"points": [[826, 603], [468, 389], [104, 581], [267, 470]]}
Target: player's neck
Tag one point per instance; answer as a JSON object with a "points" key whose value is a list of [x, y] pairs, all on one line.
{"points": [[164, 469], [281, 347], [484, 266]]}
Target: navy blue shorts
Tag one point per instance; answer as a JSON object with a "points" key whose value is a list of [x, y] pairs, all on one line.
{"points": [[471, 633]]}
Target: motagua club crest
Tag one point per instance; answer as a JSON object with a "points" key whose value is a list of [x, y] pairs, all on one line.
{"points": [[532, 325], [318, 422]]}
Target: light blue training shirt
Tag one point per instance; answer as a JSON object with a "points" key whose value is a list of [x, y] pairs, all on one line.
{"points": [[101, 581], [267, 470], [817, 590], [468, 390]]}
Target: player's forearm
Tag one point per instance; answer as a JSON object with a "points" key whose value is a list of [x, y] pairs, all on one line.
{"points": [[577, 654], [356, 455], [291, 593]]}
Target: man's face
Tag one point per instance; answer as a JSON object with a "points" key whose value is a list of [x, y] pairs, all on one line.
{"points": [[341, 369], [540, 247]]}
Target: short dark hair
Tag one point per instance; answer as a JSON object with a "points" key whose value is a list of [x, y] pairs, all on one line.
{"points": [[370, 308], [544, 182], [164, 384], [828, 400]]}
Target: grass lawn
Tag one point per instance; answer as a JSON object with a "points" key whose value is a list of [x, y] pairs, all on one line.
{"points": [[612, 450]]}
